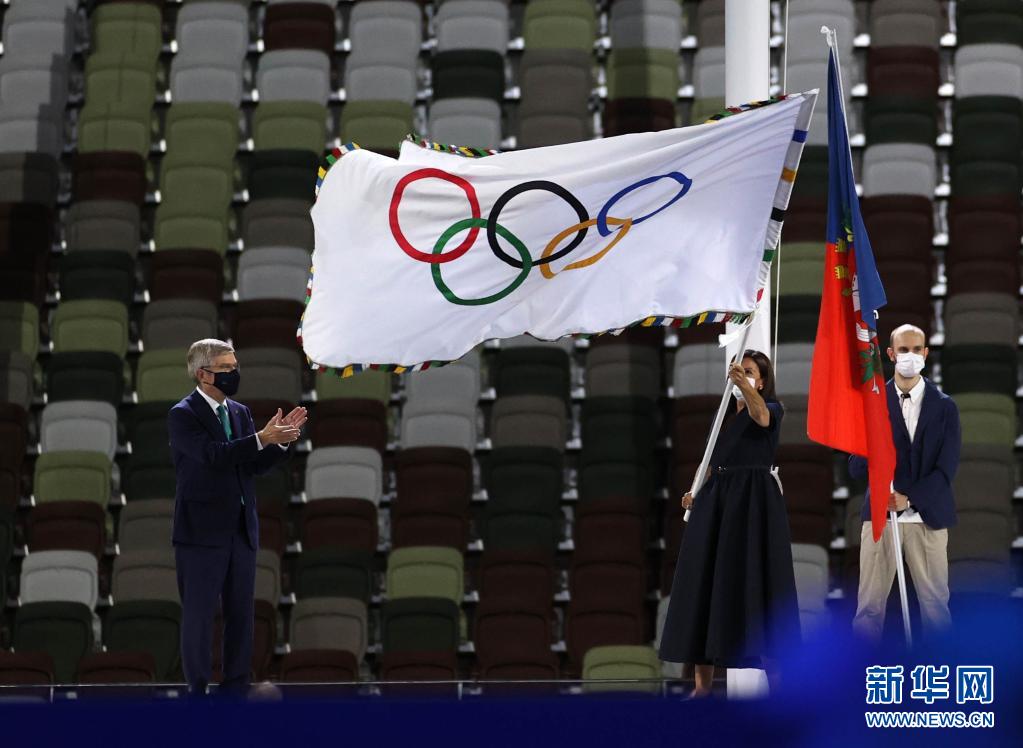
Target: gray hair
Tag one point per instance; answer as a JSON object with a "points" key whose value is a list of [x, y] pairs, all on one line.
{"points": [[202, 352], [906, 328]]}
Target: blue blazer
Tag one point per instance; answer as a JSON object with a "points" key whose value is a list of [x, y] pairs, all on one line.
{"points": [[925, 467], [213, 474]]}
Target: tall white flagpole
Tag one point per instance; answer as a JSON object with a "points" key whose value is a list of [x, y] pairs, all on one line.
{"points": [[893, 517], [747, 78]]}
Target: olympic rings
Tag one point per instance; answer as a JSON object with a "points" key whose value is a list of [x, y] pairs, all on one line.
{"points": [[539, 184], [625, 223], [474, 224], [474, 208], [525, 261], [682, 179]]}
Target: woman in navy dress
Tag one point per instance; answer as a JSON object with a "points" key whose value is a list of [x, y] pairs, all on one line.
{"points": [[733, 599]]}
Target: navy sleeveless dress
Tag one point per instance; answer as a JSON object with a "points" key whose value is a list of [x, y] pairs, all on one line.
{"points": [[733, 598]]}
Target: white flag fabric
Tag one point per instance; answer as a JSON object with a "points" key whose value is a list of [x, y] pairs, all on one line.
{"points": [[419, 259]]}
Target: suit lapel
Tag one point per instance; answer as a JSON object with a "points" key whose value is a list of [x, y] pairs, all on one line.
{"points": [[206, 416], [899, 430]]}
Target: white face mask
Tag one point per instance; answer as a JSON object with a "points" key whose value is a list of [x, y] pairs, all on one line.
{"points": [[909, 364], [737, 393]]}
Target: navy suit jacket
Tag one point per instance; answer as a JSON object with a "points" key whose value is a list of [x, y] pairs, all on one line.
{"points": [[925, 467], [213, 474]]}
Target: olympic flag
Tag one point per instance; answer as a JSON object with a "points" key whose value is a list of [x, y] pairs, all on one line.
{"points": [[419, 259]]}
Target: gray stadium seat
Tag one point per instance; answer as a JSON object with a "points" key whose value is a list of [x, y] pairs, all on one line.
{"points": [[200, 80], [710, 23], [810, 564], [470, 122], [456, 384], [177, 323], [268, 576], [29, 85], [17, 378], [653, 24], [394, 27], [270, 374], [556, 86], [38, 30], [623, 370], [367, 79], [145, 525], [981, 318], [440, 409], [793, 425], [699, 370], [213, 31], [989, 70], [472, 24], [385, 38], [273, 273], [805, 42], [277, 223], [24, 130], [900, 23], [60, 576], [84, 425], [344, 472], [330, 623], [792, 371], [103, 225], [294, 75], [529, 421], [899, 169], [145, 575]]}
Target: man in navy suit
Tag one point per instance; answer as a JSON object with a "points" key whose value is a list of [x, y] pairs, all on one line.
{"points": [[925, 429], [217, 452]]}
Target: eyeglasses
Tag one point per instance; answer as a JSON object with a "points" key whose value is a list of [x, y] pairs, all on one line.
{"points": [[222, 368]]}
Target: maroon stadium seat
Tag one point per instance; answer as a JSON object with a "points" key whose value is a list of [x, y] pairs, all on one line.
{"points": [[628, 115], [68, 525], [299, 25], [525, 579], [186, 274], [341, 523], [110, 175], [349, 422]]}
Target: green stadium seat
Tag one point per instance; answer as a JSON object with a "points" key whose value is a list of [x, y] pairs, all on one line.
{"points": [[19, 327], [90, 325], [72, 476], [162, 376], [611, 663], [61, 629], [643, 73], [377, 125], [560, 24], [301, 125], [425, 571]]}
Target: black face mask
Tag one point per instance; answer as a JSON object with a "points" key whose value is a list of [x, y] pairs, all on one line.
{"points": [[226, 381]]}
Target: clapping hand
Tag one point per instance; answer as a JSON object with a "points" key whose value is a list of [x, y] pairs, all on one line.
{"points": [[279, 431], [296, 418]]}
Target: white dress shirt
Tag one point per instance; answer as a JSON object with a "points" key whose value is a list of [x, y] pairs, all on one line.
{"points": [[215, 405], [911, 414]]}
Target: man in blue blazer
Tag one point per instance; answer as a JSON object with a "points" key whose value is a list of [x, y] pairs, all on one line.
{"points": [[926, 432], [217, 452]]}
